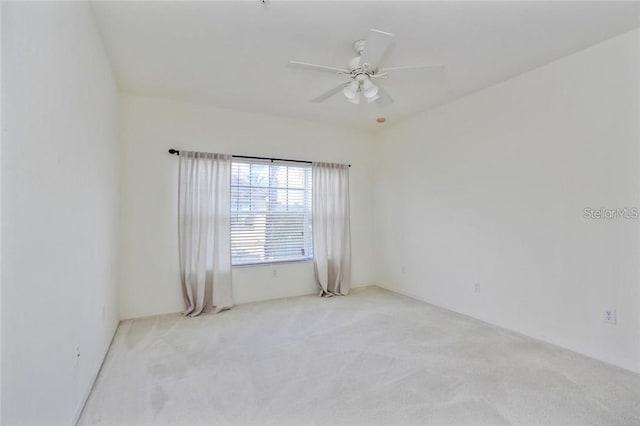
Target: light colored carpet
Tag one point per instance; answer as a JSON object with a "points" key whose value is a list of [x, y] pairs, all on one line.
{"points": [[373, 357]]}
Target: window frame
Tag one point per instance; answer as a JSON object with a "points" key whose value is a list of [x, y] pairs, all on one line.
{"points": [[307, 212]]}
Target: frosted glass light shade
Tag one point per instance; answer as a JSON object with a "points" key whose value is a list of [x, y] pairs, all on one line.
{"points": [[350, 91]]}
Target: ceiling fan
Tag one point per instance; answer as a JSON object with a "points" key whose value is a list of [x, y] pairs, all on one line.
{"points": [[363, 70]]}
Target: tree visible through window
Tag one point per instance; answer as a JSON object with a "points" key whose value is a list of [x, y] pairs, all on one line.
{"points": [[270, 212]]}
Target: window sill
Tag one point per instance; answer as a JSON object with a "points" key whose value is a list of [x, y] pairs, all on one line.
{"points": [[272, 263]]}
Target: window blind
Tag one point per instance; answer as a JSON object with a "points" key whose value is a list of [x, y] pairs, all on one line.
{"points": [[270, 212]]}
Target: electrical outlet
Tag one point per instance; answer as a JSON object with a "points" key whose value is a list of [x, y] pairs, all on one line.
{"points": [[403, 270], [476, 287], [609, 316]]}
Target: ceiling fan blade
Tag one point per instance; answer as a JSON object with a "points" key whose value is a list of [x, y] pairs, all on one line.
{"points": [[378, 43], [411, 67], [329, 93], [383, 97], [314, 67]]}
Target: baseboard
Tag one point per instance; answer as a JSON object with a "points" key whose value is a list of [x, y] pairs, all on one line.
{"points": [[88, 391], [310, 293], [510, 330]]}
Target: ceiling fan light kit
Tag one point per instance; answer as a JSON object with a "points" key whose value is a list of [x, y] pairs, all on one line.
{"points": [[370, 90], [361, 85], [350, 90], [362, 69]]}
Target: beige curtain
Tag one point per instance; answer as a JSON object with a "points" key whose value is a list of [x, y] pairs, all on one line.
{"points": [[203, 231], [331, 228]]}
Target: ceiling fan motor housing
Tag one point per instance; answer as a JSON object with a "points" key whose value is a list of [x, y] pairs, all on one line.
{"points": [[354, 64]]}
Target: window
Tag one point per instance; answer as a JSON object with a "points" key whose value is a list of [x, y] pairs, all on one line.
{"points": [[270, 212]]}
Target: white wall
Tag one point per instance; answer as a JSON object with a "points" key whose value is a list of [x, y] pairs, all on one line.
{"points": [[1, 127], [490, 189], [60, 209], [148, 235]]}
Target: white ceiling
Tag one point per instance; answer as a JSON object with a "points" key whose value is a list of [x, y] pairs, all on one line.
{"points": [[233, 54]]}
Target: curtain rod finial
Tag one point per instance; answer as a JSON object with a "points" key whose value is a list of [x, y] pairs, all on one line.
{"points": [[174, 151]]}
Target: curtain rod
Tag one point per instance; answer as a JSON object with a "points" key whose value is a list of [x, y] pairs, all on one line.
{"points": [[177, 152]]}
